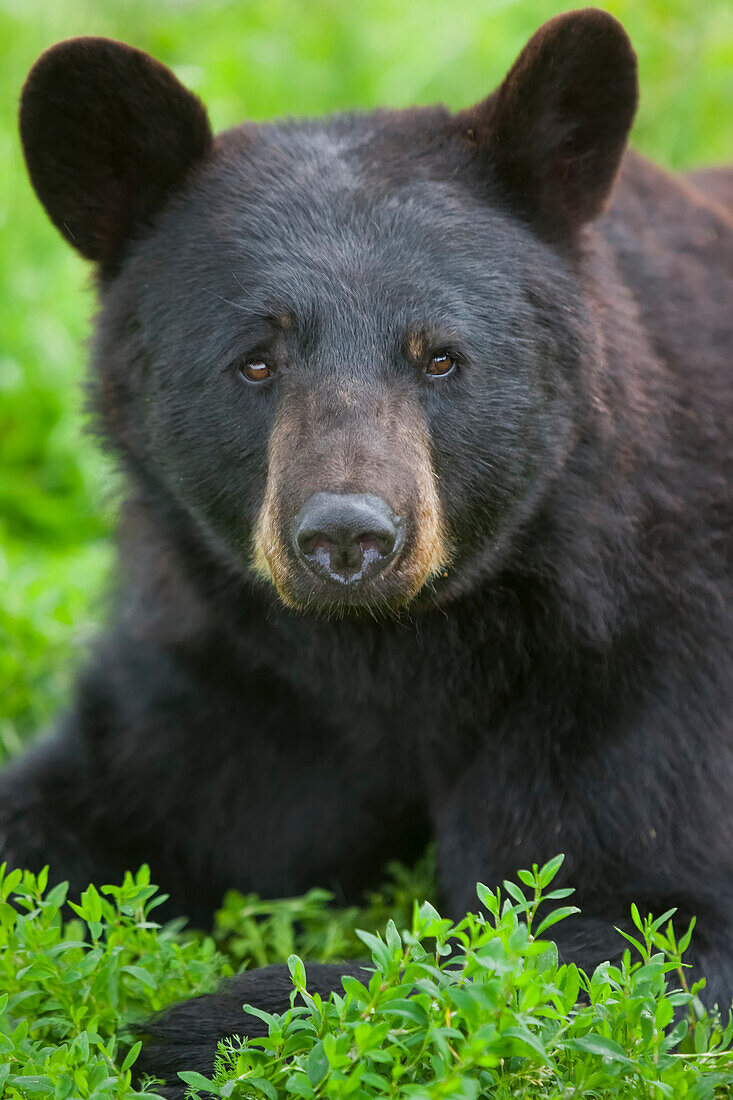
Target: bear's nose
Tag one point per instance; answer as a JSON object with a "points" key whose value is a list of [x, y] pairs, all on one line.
{"points": [[346, 537]]}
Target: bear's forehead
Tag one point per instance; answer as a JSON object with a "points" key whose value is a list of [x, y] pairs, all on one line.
{"points": [[306, 205], [294, 183], [336, 225]]}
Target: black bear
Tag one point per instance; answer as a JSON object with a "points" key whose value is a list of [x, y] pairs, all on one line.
{"points": [[427, 424]]}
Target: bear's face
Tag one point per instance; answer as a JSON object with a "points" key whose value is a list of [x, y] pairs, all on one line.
{"points": [[349, 350], [315, 320]]}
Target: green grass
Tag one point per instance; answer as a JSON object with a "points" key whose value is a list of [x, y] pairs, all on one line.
{"points": [[253, 58], [479, 1009]]}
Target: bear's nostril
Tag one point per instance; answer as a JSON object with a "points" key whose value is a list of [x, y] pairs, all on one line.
{"points": [[346, 537], [373, 546]]}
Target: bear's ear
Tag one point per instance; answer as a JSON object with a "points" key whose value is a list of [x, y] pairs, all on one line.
{"points": [[556, 129], [107, 133]]}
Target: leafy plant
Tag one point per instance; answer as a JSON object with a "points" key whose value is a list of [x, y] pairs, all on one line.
{"points": [[252, 932], [484, 1008], [69, 989], [481, 1008]]}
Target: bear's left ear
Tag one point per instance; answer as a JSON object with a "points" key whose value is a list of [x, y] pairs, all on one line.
{"points": [[556, 129], [107, 134]]}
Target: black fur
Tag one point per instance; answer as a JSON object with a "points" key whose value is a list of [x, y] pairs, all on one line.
{"points": [[563, 681], [187, 1035]]}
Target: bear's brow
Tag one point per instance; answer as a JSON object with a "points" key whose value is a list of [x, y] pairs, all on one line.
{"points": [[415, 344]]}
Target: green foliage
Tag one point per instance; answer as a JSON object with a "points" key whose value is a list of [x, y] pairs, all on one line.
{"points": [[481, 1008], [68, 988], [251, 932], [256, 59]]}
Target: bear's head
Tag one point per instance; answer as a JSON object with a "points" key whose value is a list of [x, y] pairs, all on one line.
{"points": [[347, 349]]}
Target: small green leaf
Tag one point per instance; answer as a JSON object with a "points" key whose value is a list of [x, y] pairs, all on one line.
{"points": [[131, 1056], [553, 918], [56, 896], [597, 1044], [263, 1086], [550, 869], [527, 1039], [142, 975], [196, 1081], [316, 1065], [297, 971], [514, 892]]}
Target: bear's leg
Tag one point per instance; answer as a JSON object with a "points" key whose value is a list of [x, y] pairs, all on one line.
{"points": [[186, 1035], [629, 835], [592, 937]]}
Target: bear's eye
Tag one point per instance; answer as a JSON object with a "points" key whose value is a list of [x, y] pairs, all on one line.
{"points": [[255, 370], [440, 364]]}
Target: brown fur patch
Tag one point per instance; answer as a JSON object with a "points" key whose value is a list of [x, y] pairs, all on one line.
{"points": [[269, 559], [430, 552], [415, 346]]}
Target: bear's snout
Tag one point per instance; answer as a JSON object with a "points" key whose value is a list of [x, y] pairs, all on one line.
{"points": [[347, 537], [351, 517]]}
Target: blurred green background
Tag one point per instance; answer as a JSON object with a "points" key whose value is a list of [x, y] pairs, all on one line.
{"points": [[254, 58]]}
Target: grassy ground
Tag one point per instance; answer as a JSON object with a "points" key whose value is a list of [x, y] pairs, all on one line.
{"points": [[255, 58]]}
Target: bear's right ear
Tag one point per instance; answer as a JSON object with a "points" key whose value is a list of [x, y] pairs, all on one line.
{"points": [[555, 130], [107, 134]]}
